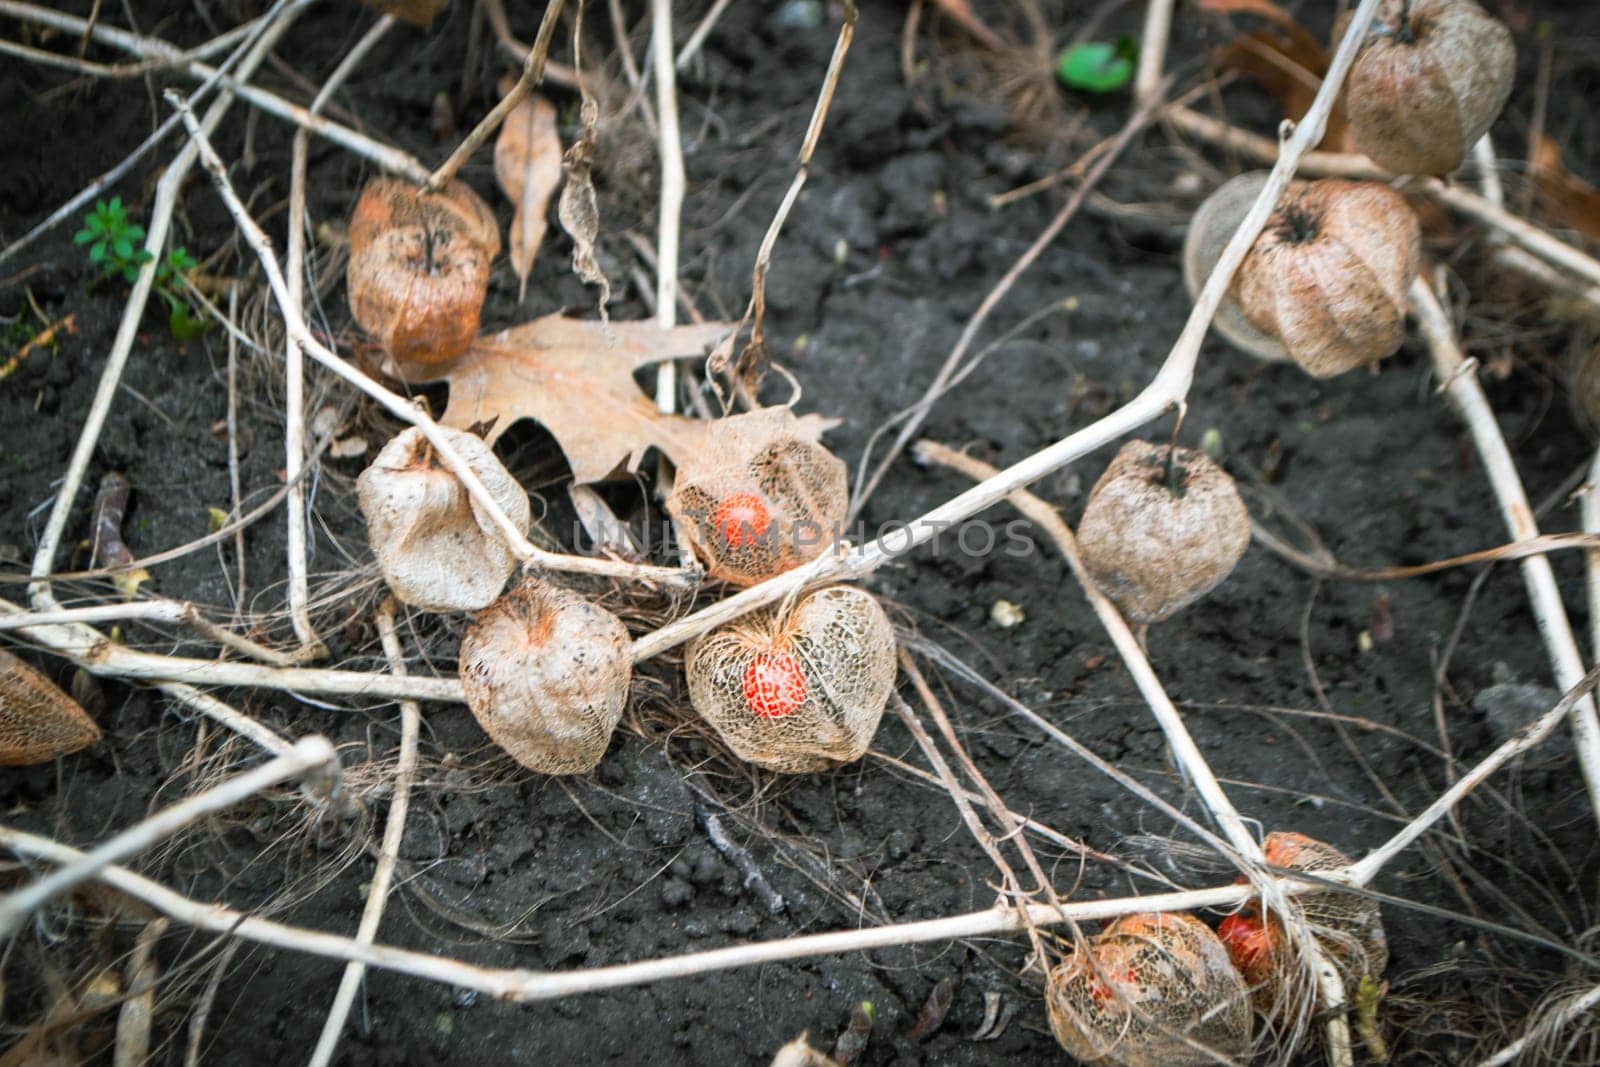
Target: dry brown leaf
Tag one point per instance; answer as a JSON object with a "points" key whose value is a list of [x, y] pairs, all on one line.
{"points": [[1567, 199], [527, 164], [575, 378], [38, 722], [579, 206], [417, 12], [1289, 65]]}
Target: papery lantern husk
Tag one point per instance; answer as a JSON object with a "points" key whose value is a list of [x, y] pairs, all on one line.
{"points": [[546, 675], [1347, 928], [841, 644], [419, 268], [1156, 535], [38, 722], [798, 489], [436, 547], [1328, 276], [1142, 986], [1427, 83]]}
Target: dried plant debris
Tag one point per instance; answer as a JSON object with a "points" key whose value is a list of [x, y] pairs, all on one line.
{"points": [[1146, 991], [435, 545], [797, 689], [546, 674], [527, 164], [38, 722], [419, 268]]}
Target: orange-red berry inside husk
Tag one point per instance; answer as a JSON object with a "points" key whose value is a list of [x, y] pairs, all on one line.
{"points": [[741, 519], [1251, 946], [774, 685]]}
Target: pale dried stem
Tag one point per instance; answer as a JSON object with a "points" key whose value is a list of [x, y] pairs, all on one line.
{"points": [[389, 852], [310, 754], [1185, 752], [384, 156], [526, 985], [169, 611], [397, 405], [166, 199], [691, 47], [1563, 1014], [532, 74], [1170, 386], [1460, 383], [1591, 523], [132, 1048], [1152, 51], [672, 190], [294, 432]]}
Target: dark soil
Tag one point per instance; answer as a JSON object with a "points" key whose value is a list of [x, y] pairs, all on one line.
{"points": [[887, 254]]}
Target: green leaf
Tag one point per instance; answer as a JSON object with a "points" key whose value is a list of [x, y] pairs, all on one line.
{"points": [[97, 253], [83, 237], [1097, 66], [185, 324], [123, 248]]}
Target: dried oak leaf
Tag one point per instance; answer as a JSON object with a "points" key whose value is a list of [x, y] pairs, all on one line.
{"points": [[417, 12], [1567, 199], [575, 377], [527, 164], [38, 722]]}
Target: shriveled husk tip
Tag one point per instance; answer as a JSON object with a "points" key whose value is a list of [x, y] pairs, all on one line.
{"points": [[38, 722], [760, 498], [546, 675], [436, 547], [1157, 536], [419, 267], [820, 674], [1143, 989]]}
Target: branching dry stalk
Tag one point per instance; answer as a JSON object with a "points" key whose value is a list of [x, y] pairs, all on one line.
{"points": [[310, 755], [389, 852], [1460, 383], [1170, 386]]}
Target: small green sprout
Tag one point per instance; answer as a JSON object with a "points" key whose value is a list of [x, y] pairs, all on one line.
{"points": [[1098, 66], [116, 246]]}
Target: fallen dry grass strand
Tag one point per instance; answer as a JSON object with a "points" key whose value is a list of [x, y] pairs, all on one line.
{"points": [[389, 851], [310, 755], [1459, 380]]}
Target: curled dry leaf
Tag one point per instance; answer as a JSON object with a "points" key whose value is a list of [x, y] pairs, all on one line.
{"points": [[579, 207], [527, 164], [1429, 80], [419, 268], [1162, 528], [417, 12], [799, 689], [760, 496], [576, 378], [436, 548], [546, 675], [38, 722], [1567, 199], [1146, 987]]}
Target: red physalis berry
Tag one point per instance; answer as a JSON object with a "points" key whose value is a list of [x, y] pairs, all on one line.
{"points": [[1100, 992], [774, 685], [741, 519], [1250, 946]]}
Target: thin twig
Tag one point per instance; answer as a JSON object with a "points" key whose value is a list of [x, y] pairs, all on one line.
{"points": [[1152, 51], [310, 755], [389, 853], [1460, 383]]}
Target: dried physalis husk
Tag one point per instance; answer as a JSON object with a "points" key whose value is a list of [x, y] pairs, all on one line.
{"points": [[437, 548], [38, 722], [419, 268], [1582, 368], [1328, 276], [546, 675], [1429, 80], [1348, 928], [1144, 985], [760, 498], [1161, 529], [798, 689]]}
